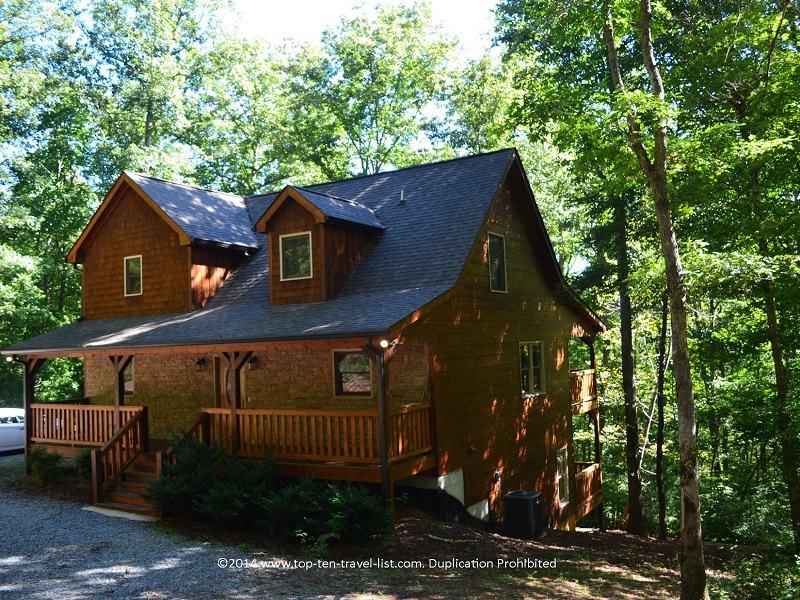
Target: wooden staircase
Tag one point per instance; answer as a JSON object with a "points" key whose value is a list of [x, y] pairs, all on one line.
{"points": [[127, 494]]}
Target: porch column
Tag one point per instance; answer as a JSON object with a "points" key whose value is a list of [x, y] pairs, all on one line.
{"points": [[235, 361], [377, 356], [120, 363], [32, 366]]}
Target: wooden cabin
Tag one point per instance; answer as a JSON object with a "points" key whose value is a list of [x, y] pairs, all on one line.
{"points": [[408, 328]]}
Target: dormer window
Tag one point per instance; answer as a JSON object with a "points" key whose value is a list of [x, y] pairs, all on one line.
{"points": [[497, 263], [295, 252], [133, 275]]}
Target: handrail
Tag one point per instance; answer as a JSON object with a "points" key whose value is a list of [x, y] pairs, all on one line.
{"points": [[111, 460], [167, 456]]}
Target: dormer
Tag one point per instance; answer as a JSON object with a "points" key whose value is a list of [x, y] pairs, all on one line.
{"points": [[315, 242], [157, 247]]}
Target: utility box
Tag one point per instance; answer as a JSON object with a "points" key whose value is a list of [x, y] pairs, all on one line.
{"points": [[523, 518]]}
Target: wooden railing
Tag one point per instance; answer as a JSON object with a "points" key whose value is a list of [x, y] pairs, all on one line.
{"points": [[75, 425], [582, 391], [315, 435], [410, 431], [111, 460], [589, 487]]}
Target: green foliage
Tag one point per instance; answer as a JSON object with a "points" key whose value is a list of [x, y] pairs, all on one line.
{"points": [[318, 512], [46, 467], [234, 497], [183, 484], [762, 578], [83, 466]]}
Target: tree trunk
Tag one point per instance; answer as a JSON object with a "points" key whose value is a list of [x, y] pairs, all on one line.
{"points": [[662, 369], [636, 521], [693, 573], [788, 440]]}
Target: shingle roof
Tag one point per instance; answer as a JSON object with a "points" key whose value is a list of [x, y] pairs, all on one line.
{"points": [[205, 215], [431, 213], [339, 209]]}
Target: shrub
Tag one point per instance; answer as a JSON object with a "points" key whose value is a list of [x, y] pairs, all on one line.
{"points": [[317, 513], [193, 474], [83, 466], [235, 497], [45, 466]]}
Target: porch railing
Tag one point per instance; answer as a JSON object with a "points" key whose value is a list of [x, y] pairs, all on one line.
{"points": [[317, 435], [588, 487], [111, 460], [582, 391], [75, 425]]}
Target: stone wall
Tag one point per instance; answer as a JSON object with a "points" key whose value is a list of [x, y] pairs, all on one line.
{"points": [[175, 392]]}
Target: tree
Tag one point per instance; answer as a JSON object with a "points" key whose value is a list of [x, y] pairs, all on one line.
{"points": [[375, 80], [566, 39]]}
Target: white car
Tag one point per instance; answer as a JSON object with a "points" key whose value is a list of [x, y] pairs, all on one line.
{"points": [[12, 429]]}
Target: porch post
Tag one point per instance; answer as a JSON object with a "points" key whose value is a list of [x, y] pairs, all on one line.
{"points": [[32, 366], [120, 363], [235, 362], [378, 357]]}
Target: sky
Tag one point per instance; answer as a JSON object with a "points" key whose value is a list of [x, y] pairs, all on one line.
{"points": [[304, 20]]}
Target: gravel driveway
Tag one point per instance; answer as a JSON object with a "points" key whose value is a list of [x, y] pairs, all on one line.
{"points": [[54, 549]]}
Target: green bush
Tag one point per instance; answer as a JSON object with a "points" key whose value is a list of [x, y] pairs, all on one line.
{"points": [[193, 474], [759, 579], [235, 497], [83, 466], [317, 513], [45, 466]]}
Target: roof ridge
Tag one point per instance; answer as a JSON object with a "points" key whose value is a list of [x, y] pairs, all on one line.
{"points": [[408, 168], [332, 197], [186, 185]]}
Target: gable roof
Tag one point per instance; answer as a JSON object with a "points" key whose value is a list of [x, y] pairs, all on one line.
{"points": [[197, 215], [324, 208], [431, 216]]}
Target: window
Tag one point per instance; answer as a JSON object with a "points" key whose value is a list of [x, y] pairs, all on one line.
{"points": [[531, 368], [127, 376], [563, 476], [296, 256], [352, 373], [133, 275], [497, 263]]}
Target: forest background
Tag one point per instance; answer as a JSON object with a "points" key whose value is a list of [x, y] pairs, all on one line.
{"points": [[88, 89]]}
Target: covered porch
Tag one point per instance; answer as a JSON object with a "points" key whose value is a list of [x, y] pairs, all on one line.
{"points": [[377, 437]]}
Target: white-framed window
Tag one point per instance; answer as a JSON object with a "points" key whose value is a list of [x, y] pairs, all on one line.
{"points": [[531, 368], [133, 275], [295, 254], [497, 262], [562, 466], [127, 376], [351, 372]]}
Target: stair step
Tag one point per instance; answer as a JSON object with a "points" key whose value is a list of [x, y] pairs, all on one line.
{"points": [[135, 487], [141, 476], [132, 498], [131, 508]]}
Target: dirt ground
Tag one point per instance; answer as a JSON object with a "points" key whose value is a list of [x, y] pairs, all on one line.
{"points": [[449, 560]]}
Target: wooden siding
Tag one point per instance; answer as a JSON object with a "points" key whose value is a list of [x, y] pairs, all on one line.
{"points": [[343, 248], [482, 422], [293, 218], [132, 228], [211, 267]]}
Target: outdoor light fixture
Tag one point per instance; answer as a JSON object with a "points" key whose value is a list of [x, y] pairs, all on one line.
{"points": [[200, 364], [251, 364], [9, 358]]}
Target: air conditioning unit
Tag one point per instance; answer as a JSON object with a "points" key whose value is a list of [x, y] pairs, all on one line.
{"points": [[522, 516]]}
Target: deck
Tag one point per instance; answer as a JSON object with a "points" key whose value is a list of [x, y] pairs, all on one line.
{"points": [[589, 488]]}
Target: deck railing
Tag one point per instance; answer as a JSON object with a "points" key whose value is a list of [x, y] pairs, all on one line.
{"points": [[582, 391], [317, 435], [111, 460], [75, 425], [588, 487]]}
